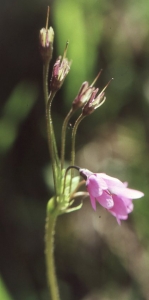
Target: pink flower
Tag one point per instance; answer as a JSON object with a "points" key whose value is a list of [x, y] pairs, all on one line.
{"points": [[111, 193]]}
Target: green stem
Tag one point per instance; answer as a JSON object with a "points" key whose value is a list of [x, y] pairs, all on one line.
{"points": [[45, 81], [51, 96], [52, 144], [80, 118], [63, 136], [50, 131], [49, 253]]}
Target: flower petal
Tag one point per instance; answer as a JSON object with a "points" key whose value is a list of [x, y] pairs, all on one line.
{"points": [[119, 218], [101, 182], [119, 207], [128, 204], [126, 192], [111, 181], [93, 202], [106, 200], [95, 186]]}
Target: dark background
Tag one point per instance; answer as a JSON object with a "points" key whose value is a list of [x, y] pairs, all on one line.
{"points": [[95, 258]]}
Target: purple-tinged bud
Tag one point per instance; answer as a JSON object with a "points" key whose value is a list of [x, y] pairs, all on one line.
{"points": [[94, 102], [46, 37], [83, 95], [60, 70]]}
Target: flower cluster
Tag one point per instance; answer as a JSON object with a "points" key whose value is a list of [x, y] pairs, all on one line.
{"points": [[110, 192]]}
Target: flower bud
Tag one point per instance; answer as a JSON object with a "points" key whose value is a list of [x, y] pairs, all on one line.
{"points": [[46, 37], [83, 95], [93, 103], [60, 70]]}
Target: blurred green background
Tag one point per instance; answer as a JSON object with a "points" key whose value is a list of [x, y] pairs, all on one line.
{"points": [[95, 258]]}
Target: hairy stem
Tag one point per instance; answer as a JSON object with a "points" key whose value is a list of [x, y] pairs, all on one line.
{"points": [[45, 81], [49, 253], [52, 144], [51, 97], [80, 118], [63, 136], [50, 130]]}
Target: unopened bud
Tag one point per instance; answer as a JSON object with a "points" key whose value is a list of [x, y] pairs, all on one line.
{"points": [[91, 106], [95, 102], [88, 107], [83, 95], [46, 37], [60, 71]]}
